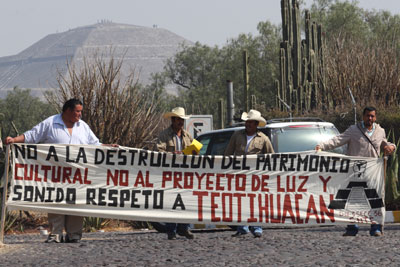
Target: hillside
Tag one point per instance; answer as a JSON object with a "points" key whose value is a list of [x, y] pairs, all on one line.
{"points": [[144, 49]]}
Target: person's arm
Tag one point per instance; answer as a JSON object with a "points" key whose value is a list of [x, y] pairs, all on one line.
{"points": [[39, 133], [336, 141], [161, 145], [187, 141], [91, 137], [388, 148], [268, 148], [17, 139]]}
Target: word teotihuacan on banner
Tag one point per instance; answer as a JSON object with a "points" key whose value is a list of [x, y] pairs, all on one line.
{"points": [[295, 189]]}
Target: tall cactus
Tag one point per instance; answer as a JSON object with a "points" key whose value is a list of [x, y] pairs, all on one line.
{"points": [[296, 47], [282, 81], [302, 73]]}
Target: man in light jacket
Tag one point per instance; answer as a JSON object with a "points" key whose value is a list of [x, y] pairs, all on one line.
{"points": [[365, 139], [173, 140], [245, 142]]}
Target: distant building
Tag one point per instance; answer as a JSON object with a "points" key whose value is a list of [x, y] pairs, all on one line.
{"points": [[146, 50]]}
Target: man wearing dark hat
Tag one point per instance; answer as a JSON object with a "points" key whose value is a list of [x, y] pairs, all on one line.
{"points": [[173, 140], [245, 142]]}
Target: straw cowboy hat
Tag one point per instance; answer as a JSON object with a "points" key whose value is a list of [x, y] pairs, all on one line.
{"points": [[254, 115], [177, 112]]}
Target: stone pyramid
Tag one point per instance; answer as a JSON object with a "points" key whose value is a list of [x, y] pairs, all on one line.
{"points": [[144, 49]]}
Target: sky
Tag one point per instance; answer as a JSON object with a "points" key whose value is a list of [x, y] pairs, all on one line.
{"points": [[211, 22]]}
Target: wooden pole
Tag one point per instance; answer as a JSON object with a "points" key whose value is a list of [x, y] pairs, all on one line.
{"points": [[4, 198], [385, 158], [246, 80], [221, 122]]}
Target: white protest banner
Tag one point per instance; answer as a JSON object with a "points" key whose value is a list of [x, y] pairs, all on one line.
{"points": [[294, 189]]}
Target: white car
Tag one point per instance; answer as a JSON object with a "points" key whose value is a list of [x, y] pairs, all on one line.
{"points": [[299, 134]]}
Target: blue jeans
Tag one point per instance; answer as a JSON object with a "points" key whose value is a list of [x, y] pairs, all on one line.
{"points": [[174, 227], [244, 229]]}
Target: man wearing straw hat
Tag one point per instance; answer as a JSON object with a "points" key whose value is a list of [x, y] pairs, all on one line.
{"points": [[174, 139], [364, 139], [245, 142]]}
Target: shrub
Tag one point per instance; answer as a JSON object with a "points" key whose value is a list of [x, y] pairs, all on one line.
{"points": [[92, 224]]}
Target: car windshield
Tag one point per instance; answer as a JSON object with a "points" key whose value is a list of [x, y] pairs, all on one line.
{"points": [[301, 138], [217, 143]]}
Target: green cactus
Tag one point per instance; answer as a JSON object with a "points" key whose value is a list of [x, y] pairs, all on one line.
{"points": [[278, 93], [302, 73], [282, 67]]}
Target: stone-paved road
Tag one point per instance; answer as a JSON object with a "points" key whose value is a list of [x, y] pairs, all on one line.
{"points": [[278, 247]]}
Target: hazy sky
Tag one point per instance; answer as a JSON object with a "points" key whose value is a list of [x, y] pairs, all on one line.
{"points": [[211, 22]]}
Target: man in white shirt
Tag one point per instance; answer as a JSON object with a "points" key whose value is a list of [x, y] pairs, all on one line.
{"points": [[64, 128]]}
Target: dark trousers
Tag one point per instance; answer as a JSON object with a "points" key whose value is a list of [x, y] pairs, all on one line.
{"points": [[177, 227]]}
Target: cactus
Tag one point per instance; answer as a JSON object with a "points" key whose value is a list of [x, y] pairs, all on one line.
{"points": [[282, 67], [277, 102], [296, 47], [302, 73], [253, 102]]}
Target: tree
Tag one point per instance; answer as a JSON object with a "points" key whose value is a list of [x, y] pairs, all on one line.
{"points": [[344, 19], [362, 53], [19, 112], [196, 71], [201, 71], [156, 91], [23, 110], [384, 28], [371, 72], [263, 63]]}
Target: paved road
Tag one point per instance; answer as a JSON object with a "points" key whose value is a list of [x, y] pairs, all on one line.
{"points": [[278, 247]]}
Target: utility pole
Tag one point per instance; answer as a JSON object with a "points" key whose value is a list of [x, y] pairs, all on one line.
{"points": [[221, 122], [229, 103], [354, 104], [287, 106], [246, 80]]}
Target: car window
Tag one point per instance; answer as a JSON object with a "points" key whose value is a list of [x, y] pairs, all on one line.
{"points": [[205, 140], [220, 142], [294, 139]]}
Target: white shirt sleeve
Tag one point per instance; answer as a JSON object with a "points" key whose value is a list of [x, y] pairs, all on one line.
{"points": [[37, 134]]}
